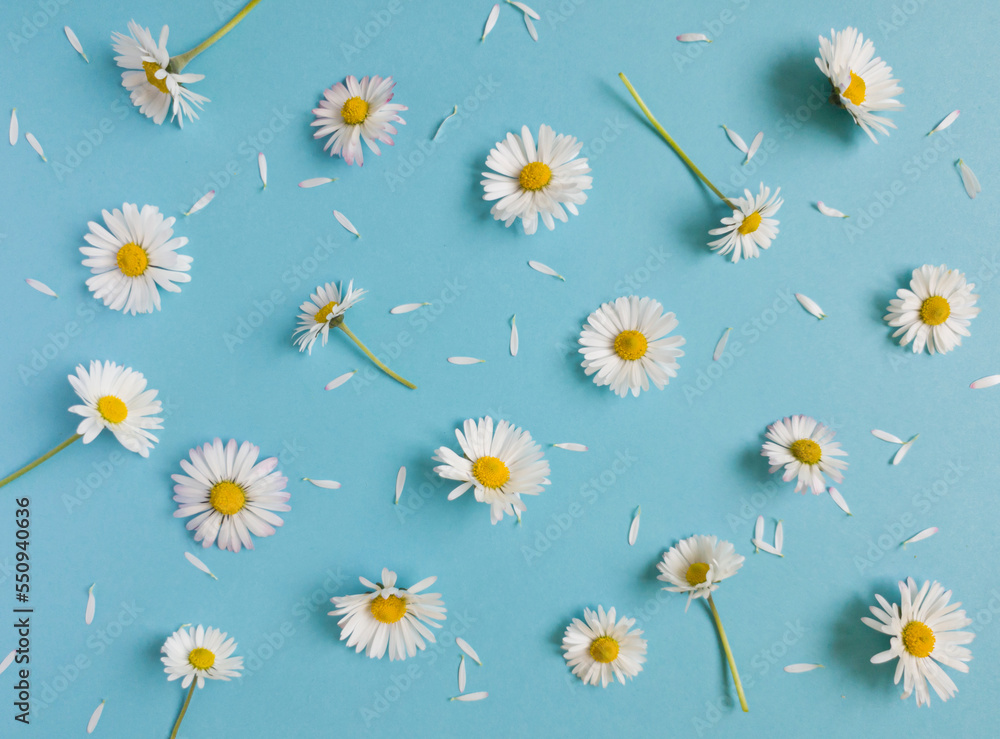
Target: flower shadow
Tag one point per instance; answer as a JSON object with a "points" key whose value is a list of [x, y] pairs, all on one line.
{"points": [[801, 94], [853, 643]]}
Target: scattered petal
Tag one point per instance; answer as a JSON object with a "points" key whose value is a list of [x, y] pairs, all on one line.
{"points": [[525, 9], [810, 305], [343, 221], [316, 181], [13, 127], [903, 450], [262, 166], [513, 336], [202, 202], [30, 138], [839, 500], [199, 564], [464, 646], [532, 31], [571, 447], [400, 482], [687, 38], [764, 546], [721, 346], [491, 21], [733, 136], [983, 382], [948, 120], [925, 534], [88, 617], [465, 360], [406, 308], [886, 436], [633, 530], [41, 287], [467, 697], [758, 530], [828, 211], [325, 484], [545, 270], [96, 715], [8, 660], [779, 537], [754, 145], [338, 381], [75, 43], [461, 675], [802, 667], [969, 179], [446, 119]]}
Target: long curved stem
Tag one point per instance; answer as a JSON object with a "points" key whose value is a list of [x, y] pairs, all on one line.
{"points": [[179, 62], [184, 708], [28, 467], [362, 347], [673, 144], [729, 656]]}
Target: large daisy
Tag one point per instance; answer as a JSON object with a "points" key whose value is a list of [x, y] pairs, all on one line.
{"points": [[116, 398], [600, 649], [134, 256], [862, 82], [529, 181], [230, 494], [352, 111], [935, 312], [923, 631], [806, 449], [625, 345], [324, 309], [697, 565], [752, 226], [388, 617], [198, 654]]}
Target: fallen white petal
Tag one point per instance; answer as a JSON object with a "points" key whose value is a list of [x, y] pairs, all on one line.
{"points": [[754, 145], [7, 661], [461, 675], [513, 336], [948, 120], [733, 136], [633, 530], [810, 305], [721, 346], [406, 308], [758, 529], [903, 450], [400, 482], [30, 138], [988, 381], [202, 202], [41, 287], [491, 21], [316, 182], [886, 436], [525, 9], [839, 500], [969, 179], [828, 211], [13, 127], [338, 381], [801, 667], [199, 564], [75, 43], [446, 119], [764, 546], [926, 533], [531, 27], [343, 221], [95, 716], [465, 360], [571, 447], [687, 38], [262, 166], [779, 537], [325, 484], [467, 697], [545, 270], [88, 617], [464, 646]]}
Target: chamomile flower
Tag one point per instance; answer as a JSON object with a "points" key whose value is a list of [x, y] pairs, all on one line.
{"points": [[501, 465], [697, 565], [230, 494], [862, 82], [752, 226], [600, 649], [197, 654], [324, 309], [935, 312], [923, 631], [529, 182], [389, 617], [806, 449], [352, 111], [133, 257], [116, 398], [625, 345]]}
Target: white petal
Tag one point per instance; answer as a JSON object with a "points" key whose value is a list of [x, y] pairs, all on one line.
{"points": [[926, 533], [721, 346], [532, 31], [467, 697], [733, 136], [406, 308], [13, 127], [903, 450], [465, 360], [461, 675], [969, 179], [886, 436], [801, 667], [202, 202], [325, 484], [754, 145], [30, 138], [571, 447], [88, 617], [41, 287], [758, 529], [988, 381], [338, 381], [779, 537], [400, 482], [262, 166], [343, 221], [199, 564], [96, 715], [948, 120], [446, 119], [8, 660], [688, 38], [839, 500], [464, 646], [525, 9], [545, 270], [75, 43], [491, 21], [513, 336], [763, 545], [828, 211], [810, 305], [316, 182], [633, 530]]}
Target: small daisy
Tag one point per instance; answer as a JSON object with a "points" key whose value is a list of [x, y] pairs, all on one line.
{"points": [[351, 111], [697, 565], [625, 345], [935, 312], [389, 617], [924, 632], [602, 649], [861, 84], [528, 182], [501, 466], [200, 654], [751, 227], [230, 494], [805, 448], [116, 398], [325, 308], [134, 256]]}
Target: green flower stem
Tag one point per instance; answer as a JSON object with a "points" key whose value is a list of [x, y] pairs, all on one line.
{"points": [[184, 708], [729, 656], [673, 144], [343, 327], [179, 62], [51, 453]]}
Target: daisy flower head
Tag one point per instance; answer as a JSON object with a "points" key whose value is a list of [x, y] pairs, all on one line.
{"points": [[152, 88], [230, 494], [862, 83], [697, 565], [600, 649], [352, 111], [116, 398], [199, 654], [806, 449], [324, 310], [133, 257], [625, 345], [935, 312], [923, 631], [501, 465], [388, 617], [529, 181], [752, 226]]}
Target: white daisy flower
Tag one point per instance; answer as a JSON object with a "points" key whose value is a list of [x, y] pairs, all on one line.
{"points": [[152, 87], [529, 181], [924, 632], [116, 398], [501, 466], [697, 565], [603, 649], [625, 345], [861, 84], [200, 654], [134, 256], [935, 312], [351, 111], [324, 309], [752, 226], [805, 448], [230, 494], [390, 618]]}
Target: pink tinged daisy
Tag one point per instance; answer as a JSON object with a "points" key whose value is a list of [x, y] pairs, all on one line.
{"points": [[501, 465], [625, 345], [751, 227], [352, 111], [601, 650], [230, 494], [924, 636], [531, 182], [197, 654], [935, 312], [389, 618], [805, 448], [133, 258]]}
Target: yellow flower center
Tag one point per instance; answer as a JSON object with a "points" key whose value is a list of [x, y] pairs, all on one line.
{"points": [[697, 573], [490, 472], [201, 658], [355, 111], [227, 497], [535, 176], [806, 451], [112, 409], [918, 639], [935, 310], [324, 313], [132, 259], [750, 224], [151, 69], [388, 610], [631, 345], [604, 649], [855, 91]]}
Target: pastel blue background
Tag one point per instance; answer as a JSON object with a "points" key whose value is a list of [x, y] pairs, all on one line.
{"points": [[689, 455]]}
